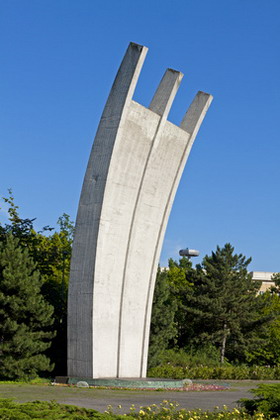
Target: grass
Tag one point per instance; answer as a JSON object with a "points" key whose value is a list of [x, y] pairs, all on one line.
{"points": [[43, 390]]}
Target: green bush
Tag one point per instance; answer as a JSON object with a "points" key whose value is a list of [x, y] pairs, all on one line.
{"points": [[39, 410], [215, 372], [204, 364], [168, 410], [205, 356], [167, 371], [267, 401]]}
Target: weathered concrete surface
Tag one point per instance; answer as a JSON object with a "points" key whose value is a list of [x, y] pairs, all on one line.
{"points": [[132, 176]]}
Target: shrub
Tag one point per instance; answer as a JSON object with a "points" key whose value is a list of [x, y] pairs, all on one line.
{"points": [[215, 372], [168, 410], [167, 371], [10, 410], [267, 401], [206, 356], [25, 316]]}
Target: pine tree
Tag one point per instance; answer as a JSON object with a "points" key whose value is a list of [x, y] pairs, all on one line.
{"points": [[52, 254], [222, 305], [25, 317]]}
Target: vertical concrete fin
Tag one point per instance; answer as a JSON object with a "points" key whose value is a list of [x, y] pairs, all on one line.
{"points": [[115, 109], [165, 93], [132, 176], [125, 81], [163, 99], [191, 124], [84, 251], [196, 113], [160, 104]]}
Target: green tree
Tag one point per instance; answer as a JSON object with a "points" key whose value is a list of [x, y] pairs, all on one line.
{"points": [[180, 278], [163, 328], [222, 307], [276, 288], [25, 317], [268, 354], [166, 325], [52, 253]]}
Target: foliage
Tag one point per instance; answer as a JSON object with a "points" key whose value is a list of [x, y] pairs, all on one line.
{"points": [[55, 250], [52, 253], [202, 312], [276, 279], [25, 317], [267, 401], [222, 306], [204, 363], [168, 410], [178, 274], [268, 354], [162, 322], [218, 307], [167, 317], [180, 277], [215, 372], [205, 356], [10, 410]]}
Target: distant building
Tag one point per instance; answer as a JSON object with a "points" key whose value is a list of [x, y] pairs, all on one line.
{"points": [[262, 276], [265, 278]]}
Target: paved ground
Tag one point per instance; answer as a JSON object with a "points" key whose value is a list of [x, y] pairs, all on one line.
{"points": [[189, 400], [99, 399]]}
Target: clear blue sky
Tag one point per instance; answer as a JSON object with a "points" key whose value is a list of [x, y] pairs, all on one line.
{"points": [[58, 62]]}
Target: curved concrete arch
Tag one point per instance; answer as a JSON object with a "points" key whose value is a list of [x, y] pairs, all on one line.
{"points": [[133, 172]]}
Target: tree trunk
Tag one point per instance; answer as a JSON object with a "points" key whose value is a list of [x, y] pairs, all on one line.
{"points": [[223, 347]]}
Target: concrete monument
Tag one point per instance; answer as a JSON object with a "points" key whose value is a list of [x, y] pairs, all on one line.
{"points": [[131, 179]]}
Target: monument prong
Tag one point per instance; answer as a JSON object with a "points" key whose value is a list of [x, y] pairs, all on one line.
{"points": [[163, 99], [166, 92], [195, 114], [134, 169]]}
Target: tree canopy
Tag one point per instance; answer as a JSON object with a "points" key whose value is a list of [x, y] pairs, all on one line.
{"points": [[222, 303], [213, 306], [163, 327], [51, 250], [25, 316], [217, 304]]}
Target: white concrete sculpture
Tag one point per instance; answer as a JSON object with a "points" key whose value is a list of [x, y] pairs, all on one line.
{"points": [[132, 176]]}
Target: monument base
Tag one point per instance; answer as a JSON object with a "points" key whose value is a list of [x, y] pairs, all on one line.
{"points": [[158, 383]]}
